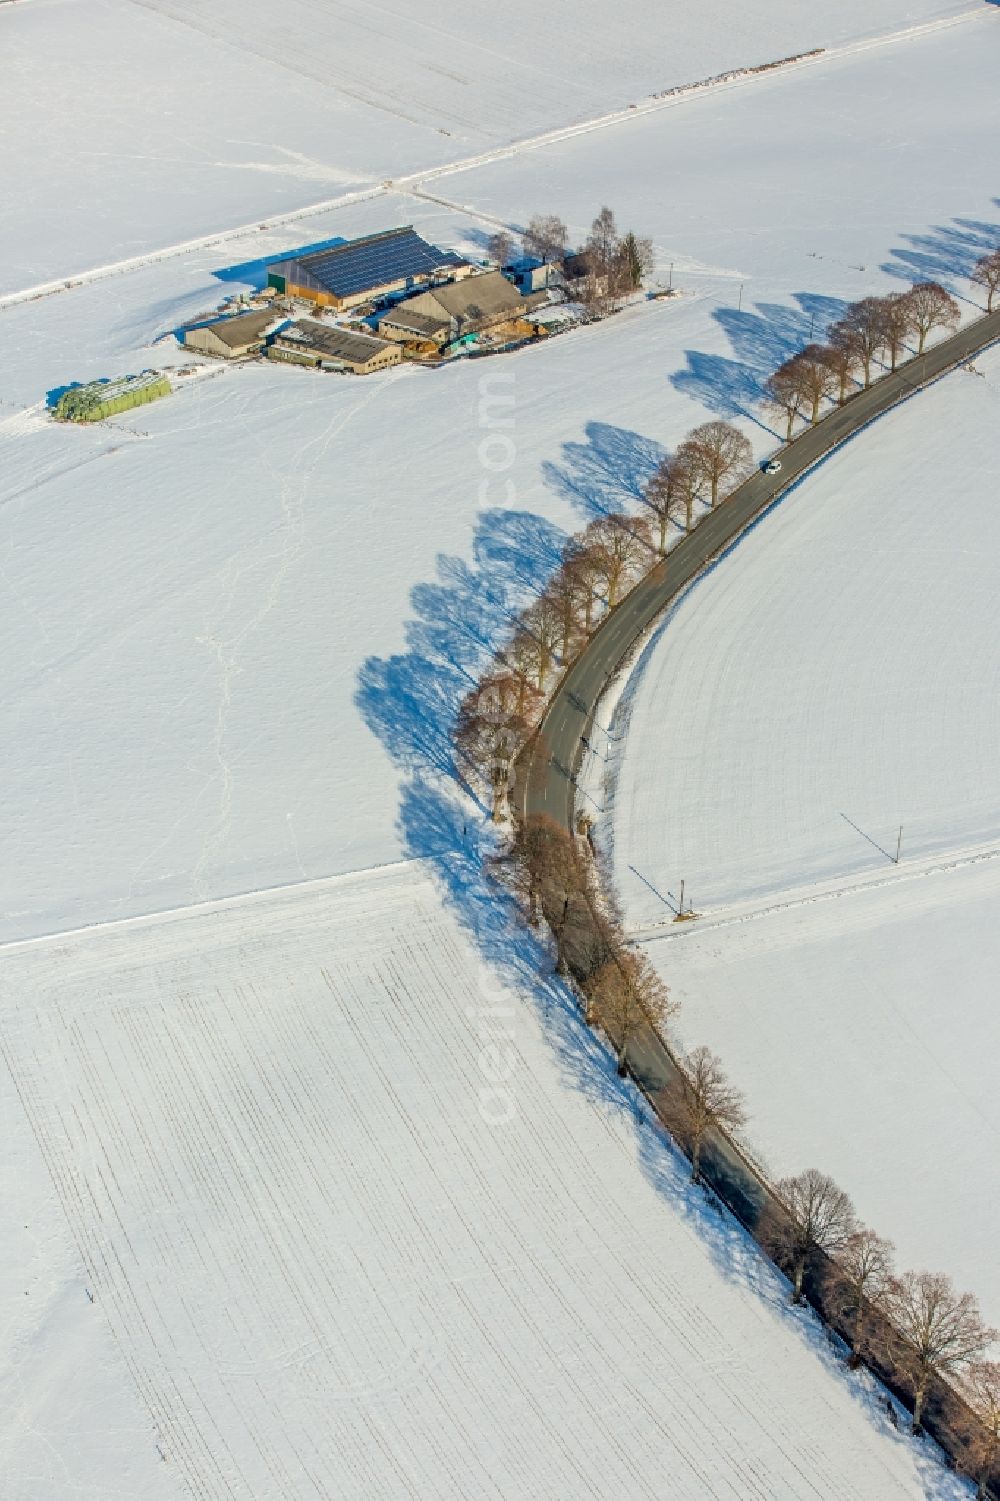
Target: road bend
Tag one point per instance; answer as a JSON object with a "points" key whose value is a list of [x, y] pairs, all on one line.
{"points": [[550, 763]]}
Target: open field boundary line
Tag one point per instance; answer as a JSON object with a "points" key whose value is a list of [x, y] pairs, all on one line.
{"points": [[808, 895], [653, 103], [683, 92], [261, 896]]}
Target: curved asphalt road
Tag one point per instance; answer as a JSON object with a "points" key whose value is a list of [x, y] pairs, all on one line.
{"points": [[549, 763], [552, 758]]}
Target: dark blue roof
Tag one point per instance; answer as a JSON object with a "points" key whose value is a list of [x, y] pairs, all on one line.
{"points": [[375, 261]]}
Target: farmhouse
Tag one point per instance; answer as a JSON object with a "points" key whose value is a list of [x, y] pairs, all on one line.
{"points": [[348, 274], [308, 342], [230, 338], [468, 307]]}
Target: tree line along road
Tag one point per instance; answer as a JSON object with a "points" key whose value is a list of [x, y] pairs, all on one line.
{"points": [[548, 767], [551, 760]]}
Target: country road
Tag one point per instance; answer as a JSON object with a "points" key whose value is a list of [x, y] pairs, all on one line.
{"points": [[550, 762], [552, 759]]}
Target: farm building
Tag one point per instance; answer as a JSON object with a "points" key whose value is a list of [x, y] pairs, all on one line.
{"points": [[348, 274], [404, 324], [230, 338], [310, 343], [469, 306], [105, 398], [533, 276]]}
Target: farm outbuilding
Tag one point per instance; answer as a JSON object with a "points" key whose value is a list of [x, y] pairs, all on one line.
{"points": [[100, 399], [230, 338], [480, 302], [403, 324], [308, 342], [345, 275]]}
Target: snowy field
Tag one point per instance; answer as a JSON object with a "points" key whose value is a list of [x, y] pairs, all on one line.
{"points": [[833, 679], [237, 624], [215, 602], [158, 120], [367, 1223], [876, 1010]]}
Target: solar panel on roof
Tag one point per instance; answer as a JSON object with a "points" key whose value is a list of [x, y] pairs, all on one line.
{"points": [[348, 269]]}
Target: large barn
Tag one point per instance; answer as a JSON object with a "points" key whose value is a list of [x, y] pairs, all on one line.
{"points": [[348, 274]]}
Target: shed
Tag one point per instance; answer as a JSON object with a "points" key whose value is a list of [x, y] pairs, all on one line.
{"points": [[308, 342], [231, 338]]}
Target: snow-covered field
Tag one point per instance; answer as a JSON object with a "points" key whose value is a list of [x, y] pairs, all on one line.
{"points": [[131, 124], [236, 625], [209, 598], [833, 679], [367, 1222]]}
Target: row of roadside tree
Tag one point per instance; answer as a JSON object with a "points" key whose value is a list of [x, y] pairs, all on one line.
{"points": [[927, 1340]]}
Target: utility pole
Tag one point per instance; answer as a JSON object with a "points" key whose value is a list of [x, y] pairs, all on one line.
{"points": [[739, 305], [670, 283], [681, 909], [899, 843]]}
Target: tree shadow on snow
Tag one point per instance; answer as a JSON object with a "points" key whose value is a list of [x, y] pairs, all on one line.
{"points": [[946, 252], [607, 473], [762, 337], [409, 702]]}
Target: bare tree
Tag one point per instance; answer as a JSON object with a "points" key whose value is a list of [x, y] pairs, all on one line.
{"points": [[542, 620], [817, 1215], [721, 455], [686, 478], [857, 1278], [544, 867], [591, 289], [861, 331], [931, 307], [567, 593], [622, 545], [664, 498], [707, 1099], [982, 1390], [943, 1331], [602, 242], [817, 378], [897, 324], [585, 561], [500, 247], [986, 274], [841, 363], [520, 658], [623, 995], [545, 238], [493, 722], [784, 390]]}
